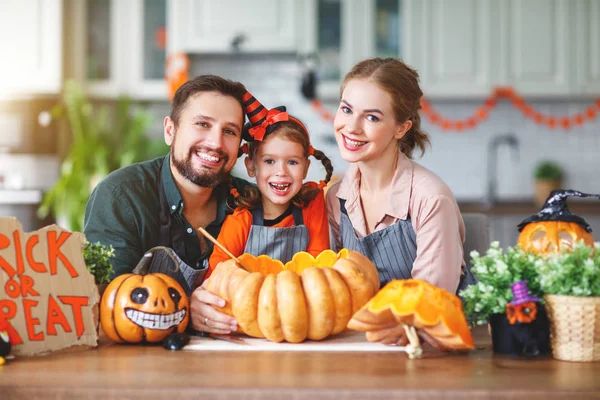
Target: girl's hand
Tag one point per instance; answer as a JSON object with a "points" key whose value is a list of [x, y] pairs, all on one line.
{"points": [[204, 317]]}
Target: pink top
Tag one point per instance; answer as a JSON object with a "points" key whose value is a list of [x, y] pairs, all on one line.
{"points": [[434, 214]]}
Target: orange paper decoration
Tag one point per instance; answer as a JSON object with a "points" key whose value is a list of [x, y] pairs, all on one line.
{"points": [[482, 112], [177, 66]]}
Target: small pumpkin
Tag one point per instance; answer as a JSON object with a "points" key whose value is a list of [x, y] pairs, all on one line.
{"points": [[307, 298], [554, 226], [143, 308], [412, 304]]}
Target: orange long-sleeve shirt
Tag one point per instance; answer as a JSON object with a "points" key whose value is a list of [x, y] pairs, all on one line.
{"points": [[236, 229]]}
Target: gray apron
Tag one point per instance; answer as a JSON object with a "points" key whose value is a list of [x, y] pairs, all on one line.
{"points": [[277, 243], [393, 250], [167, 257], [164, 260]]}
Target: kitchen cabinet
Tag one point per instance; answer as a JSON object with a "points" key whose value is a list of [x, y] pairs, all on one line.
{"points": [[451, 45], [467, 47], [119, 47], [339, 33], [587, 45], [536, 46], [216, 26], [31, 46]]}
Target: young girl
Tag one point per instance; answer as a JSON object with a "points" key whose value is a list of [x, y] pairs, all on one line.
{"points": [[388, 207], [282, 215]]}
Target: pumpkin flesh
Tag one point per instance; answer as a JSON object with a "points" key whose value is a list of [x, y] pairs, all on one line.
{"points": [[432, 311]]}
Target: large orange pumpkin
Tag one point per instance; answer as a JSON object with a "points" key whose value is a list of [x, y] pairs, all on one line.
{"points": [[143, 308], [308, 298], [554, 226], [402, 305]]}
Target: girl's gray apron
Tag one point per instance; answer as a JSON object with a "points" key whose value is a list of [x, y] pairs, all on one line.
{"points": [[277, 243], [393, 250], [167, 257]]}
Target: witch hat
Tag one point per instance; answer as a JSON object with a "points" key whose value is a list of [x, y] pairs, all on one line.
{"points": [[263, 121], [521, 294], [555, 209]]}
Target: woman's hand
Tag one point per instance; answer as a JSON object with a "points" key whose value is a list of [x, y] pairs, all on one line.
{"points": [[205, 318]]}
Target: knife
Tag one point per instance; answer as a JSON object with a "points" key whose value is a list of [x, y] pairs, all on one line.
{"points": [[218, 336]]}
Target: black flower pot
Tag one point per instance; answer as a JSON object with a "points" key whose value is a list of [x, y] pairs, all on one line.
{"points": [[529, 340]]}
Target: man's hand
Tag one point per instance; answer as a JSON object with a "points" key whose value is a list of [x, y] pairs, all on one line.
{"points": [[205, 318]]}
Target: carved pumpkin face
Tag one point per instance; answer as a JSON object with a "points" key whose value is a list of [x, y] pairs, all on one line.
{"points": [[523, 313], [143, 308], [549, 236]]}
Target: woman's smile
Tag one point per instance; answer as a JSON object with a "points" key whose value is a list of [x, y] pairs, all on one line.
{"points": [[352, 145]]}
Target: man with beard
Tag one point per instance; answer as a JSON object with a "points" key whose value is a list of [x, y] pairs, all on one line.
{"points": [[162, 202]]}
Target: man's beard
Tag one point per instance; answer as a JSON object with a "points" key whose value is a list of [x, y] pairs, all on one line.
{"points": [[206, 178]]}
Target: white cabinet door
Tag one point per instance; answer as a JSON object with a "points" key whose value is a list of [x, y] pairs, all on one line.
{"points": [[31, 43], [450, 45], [146, 50], [119, 47], [537, 46], [199, 26], [587, 40]]}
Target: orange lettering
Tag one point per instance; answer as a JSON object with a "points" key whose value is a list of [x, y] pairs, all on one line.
{"points": [[30, 321], [8, 310], [54, 253], [55, 316], [36, 266], [76, 302], [4, 243], [12, 288], [18, 255], [27, 286]]}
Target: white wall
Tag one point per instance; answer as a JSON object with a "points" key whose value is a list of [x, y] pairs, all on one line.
{"points": [[460, 158]]}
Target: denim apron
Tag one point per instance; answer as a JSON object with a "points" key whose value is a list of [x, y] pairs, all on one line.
{"points": [[277, 243]]}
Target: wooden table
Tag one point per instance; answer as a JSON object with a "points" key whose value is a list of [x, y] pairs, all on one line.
{"points": [[145, 372]]}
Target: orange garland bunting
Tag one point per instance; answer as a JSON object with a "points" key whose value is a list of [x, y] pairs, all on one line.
{"points": [[483, 111]]}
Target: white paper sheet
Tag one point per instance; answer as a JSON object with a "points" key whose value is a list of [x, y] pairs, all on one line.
{"points": [[345, 341]]}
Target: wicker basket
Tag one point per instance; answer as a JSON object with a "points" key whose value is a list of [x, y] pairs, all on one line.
{"points": [[574, 327]]}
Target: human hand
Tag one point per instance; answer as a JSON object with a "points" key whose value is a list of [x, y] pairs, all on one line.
{"points": [[394, 334], [203, 315]]}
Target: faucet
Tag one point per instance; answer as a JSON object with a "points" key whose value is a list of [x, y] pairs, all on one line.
{"points": [[511, 140]]}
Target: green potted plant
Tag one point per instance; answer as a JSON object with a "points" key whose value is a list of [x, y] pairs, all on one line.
{"points": [[571, 283], [548, 177], [104, 138], [97, 260], [496, 271], [502, 276]]}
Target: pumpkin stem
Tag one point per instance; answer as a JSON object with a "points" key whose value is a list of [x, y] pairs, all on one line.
{"points": [[413, 348], [143, 265]]}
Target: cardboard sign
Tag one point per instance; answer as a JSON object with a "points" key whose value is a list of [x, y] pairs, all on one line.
{"points": [[47, 295]]}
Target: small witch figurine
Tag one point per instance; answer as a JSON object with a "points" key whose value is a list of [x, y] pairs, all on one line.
{"points": [[554, 225], [525, 331]]}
